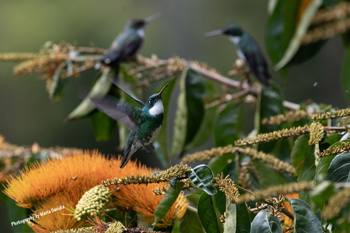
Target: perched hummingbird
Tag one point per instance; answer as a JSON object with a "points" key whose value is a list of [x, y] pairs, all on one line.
{"points": [[144, 123], [248, 50], [128, 42]]}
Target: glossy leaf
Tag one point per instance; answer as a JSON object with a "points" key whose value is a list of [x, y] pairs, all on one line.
{"points": [[303, 158], [304, 219], [57, 83], [103, 126], [202, 177], [265, 223], [167, 201], [99, 90], [207, 214], [228, 124], [301, 29], [190, 221], [339, 169], [163, 134]]}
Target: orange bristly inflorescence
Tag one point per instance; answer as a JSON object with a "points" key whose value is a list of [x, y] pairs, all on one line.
{"points": [[63, 182]]}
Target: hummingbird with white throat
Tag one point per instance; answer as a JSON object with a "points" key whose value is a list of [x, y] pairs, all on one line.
{"points": [[128, 42], [144, 123], [248, 50]]}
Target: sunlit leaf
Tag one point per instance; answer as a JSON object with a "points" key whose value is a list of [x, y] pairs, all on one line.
{"points": [[230, 224], [265, 223], [202, 177], [207, 214]]}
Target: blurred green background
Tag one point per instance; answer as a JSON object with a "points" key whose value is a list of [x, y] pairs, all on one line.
{"points": [[26, 113]]}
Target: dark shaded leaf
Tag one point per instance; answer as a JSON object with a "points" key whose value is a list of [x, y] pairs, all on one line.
{"points": [[303, 158], [103, 126], [266, 176], [243, 218], [228, 124], [190, 221], [167, 201], [265, 223], [194, 196], [339, 168], [304, 219], [202, 177], [207, 214], [225, 164], [346, 74]]}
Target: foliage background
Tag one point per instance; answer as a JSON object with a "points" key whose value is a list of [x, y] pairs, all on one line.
{"points": [[26, 113]]}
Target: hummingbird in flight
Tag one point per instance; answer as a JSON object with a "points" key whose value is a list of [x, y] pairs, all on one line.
{"points": [[248, 50], [128, 42], [144, 123]]}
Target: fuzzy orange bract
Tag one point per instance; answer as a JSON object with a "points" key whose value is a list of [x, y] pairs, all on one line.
{"points": [[63, 181]]}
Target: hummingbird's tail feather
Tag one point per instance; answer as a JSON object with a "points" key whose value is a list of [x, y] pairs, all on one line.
{"points": [[127, 155]]}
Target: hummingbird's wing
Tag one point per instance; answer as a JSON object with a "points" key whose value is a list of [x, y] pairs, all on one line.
{"points": [[255, 59], [128, 114], [125, 45], [127, 90]]}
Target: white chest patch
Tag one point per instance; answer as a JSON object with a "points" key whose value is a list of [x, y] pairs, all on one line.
{"points": [[154, 135], [241, 55], [141, 33], [235, 39], [157, 108]]}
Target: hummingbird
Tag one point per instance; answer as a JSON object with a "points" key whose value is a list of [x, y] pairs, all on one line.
{"points": [[128, 42], [248, 50], [144, 123]]}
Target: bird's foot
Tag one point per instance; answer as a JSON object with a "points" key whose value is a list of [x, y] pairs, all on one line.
{"points": [[152, 146], [143, 147]]}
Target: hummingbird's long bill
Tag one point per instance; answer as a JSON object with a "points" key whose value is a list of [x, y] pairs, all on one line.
{"points": [[153, 17], [213, 33], [161, 92]]}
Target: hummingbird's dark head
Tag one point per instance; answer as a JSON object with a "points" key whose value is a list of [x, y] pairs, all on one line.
{"points": [[137, 23], [154, 103], [232, 30]]}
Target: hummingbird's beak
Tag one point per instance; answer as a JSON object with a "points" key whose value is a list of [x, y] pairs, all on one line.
{"points": [[161, 92], [213, 33], [153, 17]]}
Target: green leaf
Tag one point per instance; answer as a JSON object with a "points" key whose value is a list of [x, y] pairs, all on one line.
{"points": [[163, 134], [195, 90], [190, 221], [243, 218], [190, 110], [321, 194], [225, 164], [194, 196], [304, 219], [303, 158], [339, 168], [57, 83], [167, 201], [300, 31], [228, 124], [269, 103], [99, 90], [103, 126], [160, 154], [346, 74], [265, 223], [230, 224], [202, 177], [207, 214]]}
